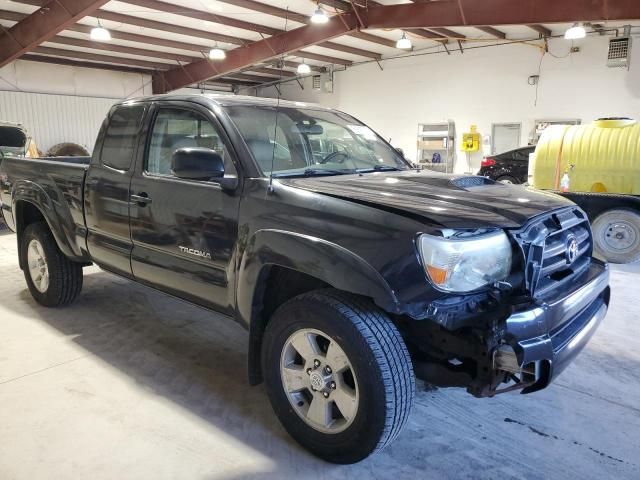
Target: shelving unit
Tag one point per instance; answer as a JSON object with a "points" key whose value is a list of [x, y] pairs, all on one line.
{"points": [[436, 139]]}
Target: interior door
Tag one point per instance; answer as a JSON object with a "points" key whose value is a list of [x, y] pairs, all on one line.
{"points": [[106, 193], [506, 136], [184, 232]]}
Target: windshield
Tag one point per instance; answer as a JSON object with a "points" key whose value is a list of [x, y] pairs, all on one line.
{"points": [[300, 141]]}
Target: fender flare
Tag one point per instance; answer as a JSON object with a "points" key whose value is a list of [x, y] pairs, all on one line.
{"points": [[56, 214], [326, 261]]}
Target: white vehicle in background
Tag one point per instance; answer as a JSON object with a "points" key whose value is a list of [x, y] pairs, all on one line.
{"points": [[15, 141]]}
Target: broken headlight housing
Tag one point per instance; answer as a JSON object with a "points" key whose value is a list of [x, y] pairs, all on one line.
{"points": [[464, 264]]}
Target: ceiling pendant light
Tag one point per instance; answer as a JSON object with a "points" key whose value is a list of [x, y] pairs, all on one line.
{"points": [[319, 16], [404, 43], [304, 69], [217, 53], [576, 32], [100, 34]]}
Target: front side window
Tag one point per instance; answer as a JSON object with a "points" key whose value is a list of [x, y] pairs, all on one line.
{"points": [[121, 136], [298, 141], [176, 128]]}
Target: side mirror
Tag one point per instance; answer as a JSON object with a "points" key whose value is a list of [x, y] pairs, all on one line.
{"points": [[197, 164]]}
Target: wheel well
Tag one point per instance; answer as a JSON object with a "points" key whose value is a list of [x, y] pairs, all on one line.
{"points": [[26, 214], [275, 286]]}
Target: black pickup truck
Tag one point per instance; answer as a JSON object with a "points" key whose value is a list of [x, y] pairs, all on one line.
{"points": [[350, 270]]}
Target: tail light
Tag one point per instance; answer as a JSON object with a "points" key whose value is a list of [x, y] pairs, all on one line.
{"points": [[487, 162]]}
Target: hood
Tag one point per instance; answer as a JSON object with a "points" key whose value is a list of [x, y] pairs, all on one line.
{"points": [[450, 201]]}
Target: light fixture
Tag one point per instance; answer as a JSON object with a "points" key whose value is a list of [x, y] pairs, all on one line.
{"points": [[304, 69], [100, 34], [404, 43], [319, 16], [575, 32], [217, 54]]}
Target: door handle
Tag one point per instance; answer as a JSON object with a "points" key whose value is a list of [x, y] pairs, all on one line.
{"points": [[141, 199]]}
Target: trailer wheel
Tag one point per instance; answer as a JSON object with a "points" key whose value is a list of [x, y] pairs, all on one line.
{"points": [[616, 235]]}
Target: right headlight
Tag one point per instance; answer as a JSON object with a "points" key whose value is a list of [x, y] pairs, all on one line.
{"points": [[465, 264]]}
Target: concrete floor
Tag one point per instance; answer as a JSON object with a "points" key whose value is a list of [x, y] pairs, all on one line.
{"points": [[127, 383]]}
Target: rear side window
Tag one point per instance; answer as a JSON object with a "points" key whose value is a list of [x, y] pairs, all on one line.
{"points": [[121, 136]]}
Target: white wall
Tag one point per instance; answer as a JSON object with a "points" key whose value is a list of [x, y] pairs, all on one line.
{"points": [[63, 104], [482, 86]]}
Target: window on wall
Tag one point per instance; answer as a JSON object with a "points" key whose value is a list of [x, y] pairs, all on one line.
{"points": [[120, 139], [176, 128]]}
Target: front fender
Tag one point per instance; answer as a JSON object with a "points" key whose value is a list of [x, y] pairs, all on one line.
{"points": [[326, 261], [56, 213]]}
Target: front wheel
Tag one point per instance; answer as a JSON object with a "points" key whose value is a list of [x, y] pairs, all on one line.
{"points": [[617, 235], [52, 278], [338, 374]]}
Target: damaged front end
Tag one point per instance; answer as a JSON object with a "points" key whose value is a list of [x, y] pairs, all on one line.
{"points": [[517, 339]]}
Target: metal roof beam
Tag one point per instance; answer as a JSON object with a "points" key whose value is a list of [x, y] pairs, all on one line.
{"points": [[496, 12], [542, 30], [111, 47], [29, 57], [117, 35], [493, 32], [215, 18], [301, 18], [202, 15], [41, 25], [61, 52], [282, 44]]}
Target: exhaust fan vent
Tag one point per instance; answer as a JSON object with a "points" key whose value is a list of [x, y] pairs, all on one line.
{"points": [[619, 51], [317, 82]]}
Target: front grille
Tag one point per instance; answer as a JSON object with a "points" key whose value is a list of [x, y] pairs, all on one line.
{"points": [[556, 248]]}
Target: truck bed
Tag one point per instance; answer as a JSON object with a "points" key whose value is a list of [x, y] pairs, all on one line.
{"points": [[56, 184]]}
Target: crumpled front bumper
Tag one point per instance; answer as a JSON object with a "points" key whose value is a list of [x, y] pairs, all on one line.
{"points": [[547, 338]]}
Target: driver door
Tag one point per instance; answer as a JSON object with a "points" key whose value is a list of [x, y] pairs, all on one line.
{"points": [[184, 231]]}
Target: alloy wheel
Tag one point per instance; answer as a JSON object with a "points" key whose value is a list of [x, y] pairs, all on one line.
{"points": [[319, 381], [38, 269]]}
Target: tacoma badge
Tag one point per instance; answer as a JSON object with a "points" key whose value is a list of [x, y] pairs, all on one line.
{"points": [[197, 253]]}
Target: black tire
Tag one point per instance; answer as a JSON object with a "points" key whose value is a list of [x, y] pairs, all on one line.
{"points": [[508, 179], [380, 361], [67, 149], [604, 228], [65, 276]]}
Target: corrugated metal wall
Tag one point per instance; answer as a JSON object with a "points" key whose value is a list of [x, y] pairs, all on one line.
{"points": [[53, 119]]}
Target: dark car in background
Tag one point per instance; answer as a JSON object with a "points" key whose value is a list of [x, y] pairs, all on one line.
{"points": [[507, 167]]}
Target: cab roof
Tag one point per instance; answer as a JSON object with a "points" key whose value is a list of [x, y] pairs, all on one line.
{"points": [[223, 100]]}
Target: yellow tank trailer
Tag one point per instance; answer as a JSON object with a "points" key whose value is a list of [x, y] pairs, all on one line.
{"points": [[598, 167]]}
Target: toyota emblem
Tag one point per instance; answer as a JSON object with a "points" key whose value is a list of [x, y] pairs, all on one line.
{"points": [[572, 249]]}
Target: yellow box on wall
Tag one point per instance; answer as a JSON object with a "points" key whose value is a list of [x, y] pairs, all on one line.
{"points": [[471, 140]]}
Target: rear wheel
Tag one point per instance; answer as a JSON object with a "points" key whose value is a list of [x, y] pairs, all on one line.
{"points": [[52, 278], [338, 374], [508, 179], [617, 235]]}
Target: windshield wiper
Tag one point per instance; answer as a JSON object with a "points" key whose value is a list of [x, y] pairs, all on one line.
{"points": [[380, 168], [312, 172]]}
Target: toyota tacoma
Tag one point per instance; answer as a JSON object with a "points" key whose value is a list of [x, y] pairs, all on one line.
{"points": [[353, 272]]}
